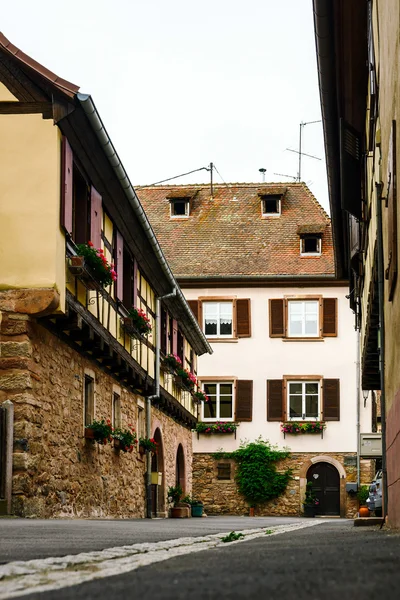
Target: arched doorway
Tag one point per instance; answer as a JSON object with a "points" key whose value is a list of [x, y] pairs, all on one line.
{"points": [[326, 487], [180, 475], [157, 466]]}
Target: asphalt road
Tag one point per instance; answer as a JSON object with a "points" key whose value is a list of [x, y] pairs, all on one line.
{"points": [[332, 561], [25, 539]]}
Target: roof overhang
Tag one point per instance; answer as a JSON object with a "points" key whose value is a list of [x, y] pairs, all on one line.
{"points": [[341, 46]]}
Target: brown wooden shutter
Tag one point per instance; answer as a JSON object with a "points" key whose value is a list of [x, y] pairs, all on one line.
{"points": [[96, 217], [277, 318], [331, 400], [391, 271], [329, 318], [174, 336], [350, 169], [275, 400], [244, 400], [243, 320], [67, 183], [119, 262], [194, 307], [135, 282]]}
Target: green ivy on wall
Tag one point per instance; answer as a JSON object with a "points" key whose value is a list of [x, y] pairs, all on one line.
{"points": [[256, 476]]}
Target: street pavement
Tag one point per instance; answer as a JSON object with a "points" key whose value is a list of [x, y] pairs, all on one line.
{"points": [[25, 539], [329, 560]]}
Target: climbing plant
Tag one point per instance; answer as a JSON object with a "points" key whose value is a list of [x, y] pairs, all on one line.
{"points": [[256, 475]]}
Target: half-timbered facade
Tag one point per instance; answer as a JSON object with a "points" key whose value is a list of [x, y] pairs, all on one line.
{"points": [[79, 263], [256, 264]]}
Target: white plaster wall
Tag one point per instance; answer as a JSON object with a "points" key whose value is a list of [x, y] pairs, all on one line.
{"points": [[260, 358]]}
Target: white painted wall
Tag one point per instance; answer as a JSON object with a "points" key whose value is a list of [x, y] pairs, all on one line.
{"points": [[260, 358]]}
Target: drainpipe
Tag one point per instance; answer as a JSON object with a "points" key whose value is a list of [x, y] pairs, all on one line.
{"points": [[153, 397], [358, 371], [381, 296]]}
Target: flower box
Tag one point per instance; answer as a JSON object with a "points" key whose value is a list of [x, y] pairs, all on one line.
{"points": [[183, 384], [216, 428], [129, 327], [89, 433], [78, 267], [137, 323], [306, 427]]}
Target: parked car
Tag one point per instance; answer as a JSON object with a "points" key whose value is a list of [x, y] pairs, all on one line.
{"points": [[374, 501]]}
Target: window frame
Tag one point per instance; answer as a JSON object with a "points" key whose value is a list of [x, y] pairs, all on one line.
{"points": [[219, 336], [303, 381], [218, 381], [278, 199], [88, 398], [116, 410], [303, 301], [318, 238], [172, 203]]}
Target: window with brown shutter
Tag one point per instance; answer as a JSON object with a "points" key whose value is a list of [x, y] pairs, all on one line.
{"points": [[67, 192], [275, 400], [96, 217], [329, 319], [194, 307], [119, 267], [243, 322], [331, 400], [391, 270], [276, 318], [244, 400], [81, 207], [164, 331]]}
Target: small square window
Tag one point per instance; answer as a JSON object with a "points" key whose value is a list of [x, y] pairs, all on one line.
{"points": [[310, 244], [271, 205], [180, 208], [224, 471]]}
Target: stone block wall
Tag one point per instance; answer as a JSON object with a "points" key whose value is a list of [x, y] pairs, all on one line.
{"points": [[222, 496], [56, 472]]}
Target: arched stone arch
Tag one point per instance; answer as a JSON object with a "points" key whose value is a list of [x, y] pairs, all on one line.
{"points": [[180, 468], [342, 474], [157, 465]]}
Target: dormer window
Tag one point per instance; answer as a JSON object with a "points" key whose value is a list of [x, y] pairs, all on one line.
{"points": [[310, 245], [311, 238], [180, 207], [271, 205]]}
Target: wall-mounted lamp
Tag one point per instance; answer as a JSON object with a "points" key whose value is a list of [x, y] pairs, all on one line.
{"points": [[365, 394]]}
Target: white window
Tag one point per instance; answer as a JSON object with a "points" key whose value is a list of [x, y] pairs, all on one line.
{"points": [[310, 245], [303, 400], [180, 208], [270, 206], [303, 318], [220, 403], [218, 320]]}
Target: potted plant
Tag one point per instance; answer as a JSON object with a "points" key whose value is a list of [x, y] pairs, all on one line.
{"points": [[91, 262], [200, 396], [310, 501], [124, 439], [185, 379], [179, 510], [362, 495], [99, 431], [196, 506], [147, 445], [171, 363], [137, 322]]}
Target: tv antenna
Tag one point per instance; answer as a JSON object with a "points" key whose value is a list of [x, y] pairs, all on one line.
{"points": [[283, 175], [299, 151]]}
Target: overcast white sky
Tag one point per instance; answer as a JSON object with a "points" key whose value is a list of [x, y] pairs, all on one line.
{"points": [[181, 83]]}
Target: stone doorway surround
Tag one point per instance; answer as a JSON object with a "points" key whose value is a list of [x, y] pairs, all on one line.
{"points": [[342, 475]]}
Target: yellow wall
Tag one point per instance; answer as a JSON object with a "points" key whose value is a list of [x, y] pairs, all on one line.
{"points": [[32, 246]]}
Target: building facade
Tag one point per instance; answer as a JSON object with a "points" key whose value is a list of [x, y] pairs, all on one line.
{"points": [[358, 62], [256, 263], [70, 353]]}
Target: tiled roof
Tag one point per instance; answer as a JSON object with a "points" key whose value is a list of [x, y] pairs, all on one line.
{"points": [[225, 235]]}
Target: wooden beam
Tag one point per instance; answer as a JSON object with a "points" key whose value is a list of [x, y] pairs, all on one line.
{"points": [[24, 108]]}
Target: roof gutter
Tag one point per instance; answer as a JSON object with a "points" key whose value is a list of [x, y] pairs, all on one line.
{"points": [[93, 116], [324, 28]]}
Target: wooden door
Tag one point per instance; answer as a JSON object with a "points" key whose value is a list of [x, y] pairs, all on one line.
{"points": [[326, 486]]}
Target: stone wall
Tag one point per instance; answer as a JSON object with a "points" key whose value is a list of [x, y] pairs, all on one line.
{"points": [[222, 497], [56, 472]]}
